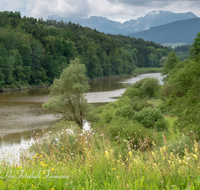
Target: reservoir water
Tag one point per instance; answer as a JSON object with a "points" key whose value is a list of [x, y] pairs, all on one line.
{"points": [[21, 112]]}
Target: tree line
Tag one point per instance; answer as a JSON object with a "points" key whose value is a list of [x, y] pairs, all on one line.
{"points": [[34, 51]]}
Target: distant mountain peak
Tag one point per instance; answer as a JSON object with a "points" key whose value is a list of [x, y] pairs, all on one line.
{"points": [[151, 19], [154, 12]]}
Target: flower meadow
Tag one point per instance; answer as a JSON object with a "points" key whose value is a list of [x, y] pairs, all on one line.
{"points": [[89, 160]]}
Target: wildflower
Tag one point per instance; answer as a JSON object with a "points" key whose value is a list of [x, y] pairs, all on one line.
{"points": [[37, 154], [20, 167], [32, 185], [52, 188], [43, 172], [106, 153], [113, 168], [130, 153], [40, 156], [153, 154], [50, 132], [63, 148], [195, 156], [52, 169], [185, 162]]}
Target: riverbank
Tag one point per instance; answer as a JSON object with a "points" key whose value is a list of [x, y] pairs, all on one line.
{"points": [[136, 72], [91, 160], [23, 88]]}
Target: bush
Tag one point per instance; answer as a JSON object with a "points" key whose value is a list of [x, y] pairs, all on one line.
{"points": [[132, 92], [125, 111], [129, 134], [150, 86], [151, 118]]}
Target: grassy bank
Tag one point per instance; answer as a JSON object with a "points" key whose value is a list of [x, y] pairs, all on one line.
{"points": [[64, 160], [144, 70], [132, 145]]}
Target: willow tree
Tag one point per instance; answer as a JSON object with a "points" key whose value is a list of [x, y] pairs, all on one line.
{"points": [[67, 94]]}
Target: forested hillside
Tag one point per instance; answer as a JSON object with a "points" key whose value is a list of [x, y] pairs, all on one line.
{"points": [[178, 31], [34, 52]]}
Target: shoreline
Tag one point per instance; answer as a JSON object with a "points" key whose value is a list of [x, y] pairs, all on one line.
{"points": [[138, 71]]}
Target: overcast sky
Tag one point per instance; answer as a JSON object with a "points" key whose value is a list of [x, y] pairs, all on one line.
{"points": [[118, 10]]}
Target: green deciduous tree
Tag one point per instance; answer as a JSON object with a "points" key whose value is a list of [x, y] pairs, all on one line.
{"points": [[67, 93]]}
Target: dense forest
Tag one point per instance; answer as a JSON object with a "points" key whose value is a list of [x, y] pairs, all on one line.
{"points": [[34, 52], [183, 52]]}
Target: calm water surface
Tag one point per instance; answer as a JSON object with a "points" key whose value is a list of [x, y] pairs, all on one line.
{"points": [[21, 112]]}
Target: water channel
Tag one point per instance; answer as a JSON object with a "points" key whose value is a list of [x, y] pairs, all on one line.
{"points": [[21, 112]]}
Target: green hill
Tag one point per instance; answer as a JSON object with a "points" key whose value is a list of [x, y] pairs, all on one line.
{"points": [[179, 31], [34, 52]]}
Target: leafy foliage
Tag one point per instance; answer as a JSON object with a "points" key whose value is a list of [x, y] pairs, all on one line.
{"points": [[151, 118], [181, 95], [66, 93], [34, 52]]}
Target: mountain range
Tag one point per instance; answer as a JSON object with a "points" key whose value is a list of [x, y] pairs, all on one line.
{"points": [[152, 19], [183, 31]]}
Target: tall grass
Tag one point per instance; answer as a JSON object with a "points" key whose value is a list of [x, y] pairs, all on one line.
{"points": [[77, 160]]}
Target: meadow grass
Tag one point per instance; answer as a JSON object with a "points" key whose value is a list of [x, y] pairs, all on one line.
{"points": [[155, 102], [89, 160]]}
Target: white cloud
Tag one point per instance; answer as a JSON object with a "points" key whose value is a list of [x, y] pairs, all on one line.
{"points": [[66, 8], [11, 5], [119, 10]]}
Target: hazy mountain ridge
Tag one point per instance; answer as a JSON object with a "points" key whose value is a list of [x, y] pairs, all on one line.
{"points": [[178, 31], [102, 24]]}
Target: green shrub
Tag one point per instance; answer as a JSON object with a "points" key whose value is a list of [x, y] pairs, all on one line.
{"points": [[129, 134], [149, 86], [132, 92], [151, 118], [125, 111]]}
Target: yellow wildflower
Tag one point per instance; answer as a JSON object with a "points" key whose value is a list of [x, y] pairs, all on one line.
{"points": [[113, 168], [63, 148], [130, 153], [40, 156], [153, 154], [52, 169], [20, 167], [107, 154], [37, 154], [195, 156]]}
